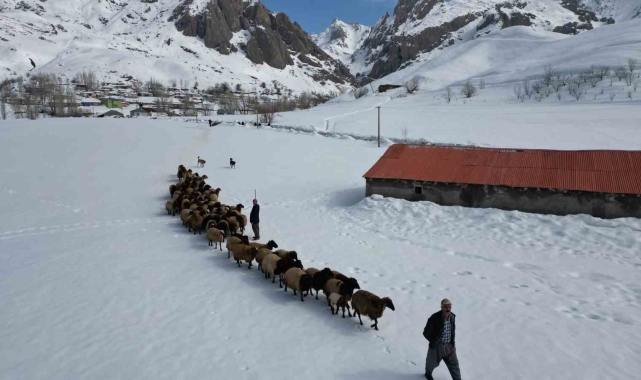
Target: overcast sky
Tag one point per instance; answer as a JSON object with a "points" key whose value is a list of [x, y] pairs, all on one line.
{"points": [[316, 15]]}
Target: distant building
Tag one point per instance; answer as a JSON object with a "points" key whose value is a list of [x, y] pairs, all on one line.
{"points": [[141, 112], [222, 111], [112, 102], [88, 102], [111, 113], [605, 184]]}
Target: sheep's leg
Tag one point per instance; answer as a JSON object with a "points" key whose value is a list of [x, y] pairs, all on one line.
{"points": [[375, 325], [301, 296], [348, 313], [343, 311], [220, 245], [286, 289], [238, 262], [274, 279], [249, 266], [332, 308], [317, 295], [228, 254], [359, 318], [280, 282]]}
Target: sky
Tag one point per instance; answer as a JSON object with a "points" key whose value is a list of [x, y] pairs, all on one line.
{"points": [[316, 15]]}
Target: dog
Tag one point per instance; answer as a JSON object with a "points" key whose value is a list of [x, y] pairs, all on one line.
{"points": [[232, 163], [201, 162]]}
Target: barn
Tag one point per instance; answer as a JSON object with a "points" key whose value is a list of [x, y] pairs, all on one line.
{"points": [[602, 183]]}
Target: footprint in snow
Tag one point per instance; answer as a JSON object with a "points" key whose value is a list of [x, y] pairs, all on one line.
{"points": [[409, 362], [464, 273], [388, 350]]}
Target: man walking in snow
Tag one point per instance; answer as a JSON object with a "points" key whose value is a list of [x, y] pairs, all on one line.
{"points": [[440, 331], [254, 220]]}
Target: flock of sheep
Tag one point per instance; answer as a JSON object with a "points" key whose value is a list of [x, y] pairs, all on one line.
{"points": [[199, 209]]}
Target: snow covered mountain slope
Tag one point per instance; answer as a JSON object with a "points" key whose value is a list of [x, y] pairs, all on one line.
{"points": [[237, 41], [341, 39], [619, 10], [421, 26]]}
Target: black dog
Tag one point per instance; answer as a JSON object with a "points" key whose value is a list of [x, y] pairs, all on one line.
{"points": [[232, 163]]}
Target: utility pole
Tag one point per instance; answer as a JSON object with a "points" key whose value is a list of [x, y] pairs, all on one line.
{"points": [[379, 126]]}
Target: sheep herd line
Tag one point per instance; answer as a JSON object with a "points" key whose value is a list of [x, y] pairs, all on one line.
{"points": [[199, 209]]}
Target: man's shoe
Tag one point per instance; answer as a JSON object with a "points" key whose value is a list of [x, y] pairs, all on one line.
{"points": [[255, 238], [428, 376]]}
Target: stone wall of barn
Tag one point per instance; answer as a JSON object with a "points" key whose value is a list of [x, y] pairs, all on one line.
{"points": [[541, 201]]}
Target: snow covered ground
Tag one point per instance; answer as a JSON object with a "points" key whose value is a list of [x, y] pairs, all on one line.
{"points": [[97, 282]]}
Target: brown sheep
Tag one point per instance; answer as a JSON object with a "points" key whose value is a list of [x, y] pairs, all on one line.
{"points": [[283, 254], [339, 301], [234, 241], [270, 244], [262, 253], [298, 280], [214, 235], [350, 280], [233, 224], [244, 253], [337, 286], [184, 214], [269, 266], [371, 305], [169, 207], [242, 222], [194, 222]]}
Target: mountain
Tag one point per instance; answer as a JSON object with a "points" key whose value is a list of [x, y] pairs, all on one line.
{"points": [[419, 27], [205, 41], [341, 39]]}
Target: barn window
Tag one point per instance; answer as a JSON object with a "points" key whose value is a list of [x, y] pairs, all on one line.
{"points": [[418, 190]]}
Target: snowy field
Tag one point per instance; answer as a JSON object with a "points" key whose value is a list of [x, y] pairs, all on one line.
{"points": [[97, 282]]}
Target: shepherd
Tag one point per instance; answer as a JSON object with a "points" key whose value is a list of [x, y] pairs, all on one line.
{"points": [[440, 332], [254, 219]]}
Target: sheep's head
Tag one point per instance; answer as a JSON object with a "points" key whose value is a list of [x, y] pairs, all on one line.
{"points": [[346, 289], [292, 255], [271, 244], [388, 303], [354, 283], [326, 273], [240, 206], [297, 264]]}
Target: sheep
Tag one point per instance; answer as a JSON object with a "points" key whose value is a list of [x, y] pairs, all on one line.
{"points": [[297, 279], [287, 254], [185, 204], [319, 278], [262, 253], [194, 222], [223, 226], [214, 235], [233, 224], [201, 162], [339, 301], [242, 222], [371, 305], [172, 190], [169, 206], [283, 265], [270, 244], [349, 280], [184, 214], [337, 286], [244, 253], [269, 266], [233, 241]]}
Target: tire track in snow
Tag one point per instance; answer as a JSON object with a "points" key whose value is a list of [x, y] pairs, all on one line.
{"points": [[326, 120], [74, 227]]}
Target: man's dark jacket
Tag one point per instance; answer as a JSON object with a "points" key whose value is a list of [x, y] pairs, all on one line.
{"points": [[434, 328], [253, 216]]}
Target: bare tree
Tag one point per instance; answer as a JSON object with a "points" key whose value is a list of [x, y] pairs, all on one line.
{"points": [[620, 72], [602, 72], [594, 80], [575, 91], [448, 94], [628, 79], [268, 112], [632, 65], [556, 85], [239, 87], [559, 95], [4, 97], [537, 86], [548, 75], [17, 107], [527, 88], [630, 95], [412, 85], [482, 84], [225, 87], [174, 84], [468, 90], [404, 132], [539, 97], [518, 92], [635, 85], [360, 92], [612, 96]]}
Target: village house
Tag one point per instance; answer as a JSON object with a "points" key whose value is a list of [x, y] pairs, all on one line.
{"points": [[602, 183]]}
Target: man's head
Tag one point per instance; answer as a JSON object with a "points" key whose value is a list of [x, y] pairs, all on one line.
{"points": [[446, 306], [255, 201]]}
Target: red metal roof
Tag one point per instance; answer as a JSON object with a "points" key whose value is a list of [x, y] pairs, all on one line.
{"points": [[605, 171]]}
